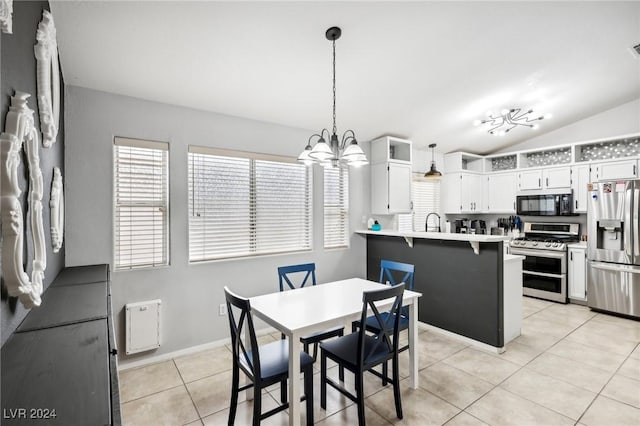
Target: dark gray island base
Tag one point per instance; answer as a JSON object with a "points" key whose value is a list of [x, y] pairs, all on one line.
{"points": [[462, 292]]}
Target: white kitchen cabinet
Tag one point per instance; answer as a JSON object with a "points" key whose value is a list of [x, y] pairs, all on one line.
{"points": [[530, 179], [390, 175], [577, 272], [391, 188], [501, 194], [623, 169], [462, 193], [580, 178], [556, 177]]}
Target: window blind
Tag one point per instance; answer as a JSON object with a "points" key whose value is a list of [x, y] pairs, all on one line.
{"points": [[243, 205], [426, 199], [141, 203], [336, 207]]}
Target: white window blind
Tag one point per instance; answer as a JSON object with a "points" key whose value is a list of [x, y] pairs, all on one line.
{"points": [[141, 203], [243, 204], [336, 207], [426, 199]]}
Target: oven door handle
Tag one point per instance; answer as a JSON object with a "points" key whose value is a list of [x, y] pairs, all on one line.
{"points": [[542, 274], [539, 253]]}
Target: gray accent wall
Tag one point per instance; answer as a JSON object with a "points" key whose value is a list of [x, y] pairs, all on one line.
{"points": [[190, 293], [18, 72]]}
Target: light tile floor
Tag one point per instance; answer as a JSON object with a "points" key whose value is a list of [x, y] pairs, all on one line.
{"points": [[570, 366]]}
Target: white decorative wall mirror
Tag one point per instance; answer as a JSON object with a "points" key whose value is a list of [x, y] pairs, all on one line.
{"points": [[6, 10], [48, 77], [57, 210], [19, 128]]}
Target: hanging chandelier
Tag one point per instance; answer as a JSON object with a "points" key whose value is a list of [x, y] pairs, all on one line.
{"points": [[345, 150], [501, 124]]}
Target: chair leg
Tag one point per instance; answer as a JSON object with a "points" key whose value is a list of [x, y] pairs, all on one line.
{"points": [[341, 373], [234, 395], [385, 373], [360, 397], [283, 391], [396, 386], [257, 404], [315, 352], [323, 380], [308, 392]]}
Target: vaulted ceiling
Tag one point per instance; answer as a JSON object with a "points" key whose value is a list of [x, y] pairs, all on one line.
{"points": [[422, 70]]}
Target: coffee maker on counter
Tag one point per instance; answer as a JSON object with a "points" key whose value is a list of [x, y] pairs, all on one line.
{"points": [[466, 226]]}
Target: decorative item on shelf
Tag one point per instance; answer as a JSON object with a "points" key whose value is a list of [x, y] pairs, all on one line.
{"points": [[628, 147], [19, 128], [346, 150], [501, 124], [376, 226], [6, 12], [57, 210], [433, 173], [499, 164], [48, 78], [549, 158]]}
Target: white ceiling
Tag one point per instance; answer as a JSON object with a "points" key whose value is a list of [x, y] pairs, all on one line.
{"points": [[422, 70]]}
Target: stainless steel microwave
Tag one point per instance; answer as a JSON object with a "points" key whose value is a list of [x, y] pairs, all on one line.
{"points": [[545, 204]]}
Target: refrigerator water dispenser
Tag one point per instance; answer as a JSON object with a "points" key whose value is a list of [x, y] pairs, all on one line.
{"points": [[610, 234]]}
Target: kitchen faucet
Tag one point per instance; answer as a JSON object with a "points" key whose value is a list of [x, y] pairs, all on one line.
{"points": [[426, 222]]}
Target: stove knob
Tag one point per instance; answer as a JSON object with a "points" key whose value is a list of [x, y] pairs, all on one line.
{"points": [[556, 244], [534, 243], [548, 244]]}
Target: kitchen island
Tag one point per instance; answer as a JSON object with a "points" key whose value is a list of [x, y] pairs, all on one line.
{"points": [[469, 286]]}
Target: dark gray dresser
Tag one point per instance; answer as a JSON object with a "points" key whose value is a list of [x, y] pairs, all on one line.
{"points": [[60, 365]]}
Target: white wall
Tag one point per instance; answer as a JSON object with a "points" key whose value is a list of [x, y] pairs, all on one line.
{"points": [[191, 293], [621, 120]]}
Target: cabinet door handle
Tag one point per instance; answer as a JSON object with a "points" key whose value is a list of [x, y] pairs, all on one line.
{"points": [[576, 205], [514, 205], [634, 169], [547, 182], [571, 256], [539, 183]]}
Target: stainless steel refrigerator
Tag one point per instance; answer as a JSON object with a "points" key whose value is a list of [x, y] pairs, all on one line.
{"points": [[613, 251]]}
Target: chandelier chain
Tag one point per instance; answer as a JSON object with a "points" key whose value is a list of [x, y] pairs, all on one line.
{"points": [[335, 129]]}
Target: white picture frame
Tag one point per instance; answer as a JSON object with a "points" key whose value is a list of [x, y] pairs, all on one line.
{"points": [[48, 78], [56, 204], [6, 16], [19, 129]]}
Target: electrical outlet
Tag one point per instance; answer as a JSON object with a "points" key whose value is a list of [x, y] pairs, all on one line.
{"points": [[222, 309]]}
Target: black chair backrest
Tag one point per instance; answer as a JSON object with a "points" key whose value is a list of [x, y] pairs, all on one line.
{"points": [[386, 268], [284, 271], [239, 313], [388, 324]]}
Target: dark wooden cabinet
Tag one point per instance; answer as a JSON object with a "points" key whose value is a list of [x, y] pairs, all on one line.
{"points": [[60, 366]]}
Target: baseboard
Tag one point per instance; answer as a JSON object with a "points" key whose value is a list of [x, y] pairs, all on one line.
{"points": [[463, 339], [153, 359]]}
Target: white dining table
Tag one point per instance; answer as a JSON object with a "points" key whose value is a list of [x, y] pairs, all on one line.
{"points": [[306, 310]]}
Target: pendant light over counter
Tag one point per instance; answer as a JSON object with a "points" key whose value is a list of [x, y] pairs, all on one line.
{"points": [[433, 173], [345, 150]]}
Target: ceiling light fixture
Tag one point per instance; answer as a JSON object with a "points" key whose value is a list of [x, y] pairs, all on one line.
{"points": [[433, 173], [329, 154], [500, 125]]}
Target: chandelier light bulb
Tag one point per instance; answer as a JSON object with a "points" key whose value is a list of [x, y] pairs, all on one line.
{"points": [[504, 111], [477, 122]]}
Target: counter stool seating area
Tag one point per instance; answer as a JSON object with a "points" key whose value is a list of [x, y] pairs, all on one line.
{"points": [[359, 352], [263, 365]]}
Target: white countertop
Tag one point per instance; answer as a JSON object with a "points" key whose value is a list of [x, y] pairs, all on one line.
{"points": [[439, 236], [512, 257]]}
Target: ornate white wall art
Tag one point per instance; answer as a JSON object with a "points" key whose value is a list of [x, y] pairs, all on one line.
{"points": [[48, 77], [19, 128], [56, 203], [6, 10]]}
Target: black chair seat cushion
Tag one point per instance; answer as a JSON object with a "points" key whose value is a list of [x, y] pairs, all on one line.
{"points": [[346, 349], [372, 322], [274, 359], [322, 335]]}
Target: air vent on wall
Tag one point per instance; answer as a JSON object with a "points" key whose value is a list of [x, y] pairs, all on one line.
{"points": [[635, 50]]}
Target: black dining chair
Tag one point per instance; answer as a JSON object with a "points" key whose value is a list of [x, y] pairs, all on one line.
{"points": [[285, 277], [263, 365], [359, 352]]}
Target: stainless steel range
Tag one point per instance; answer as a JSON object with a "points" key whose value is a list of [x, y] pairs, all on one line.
{"points": [[544, 270]]}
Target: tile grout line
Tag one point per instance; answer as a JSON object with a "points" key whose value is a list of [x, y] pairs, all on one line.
{"points": [[187, 389]]}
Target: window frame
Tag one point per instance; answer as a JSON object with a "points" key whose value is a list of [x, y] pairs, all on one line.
{"points": [[166, 246], [253, 208], [343, 181]]}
